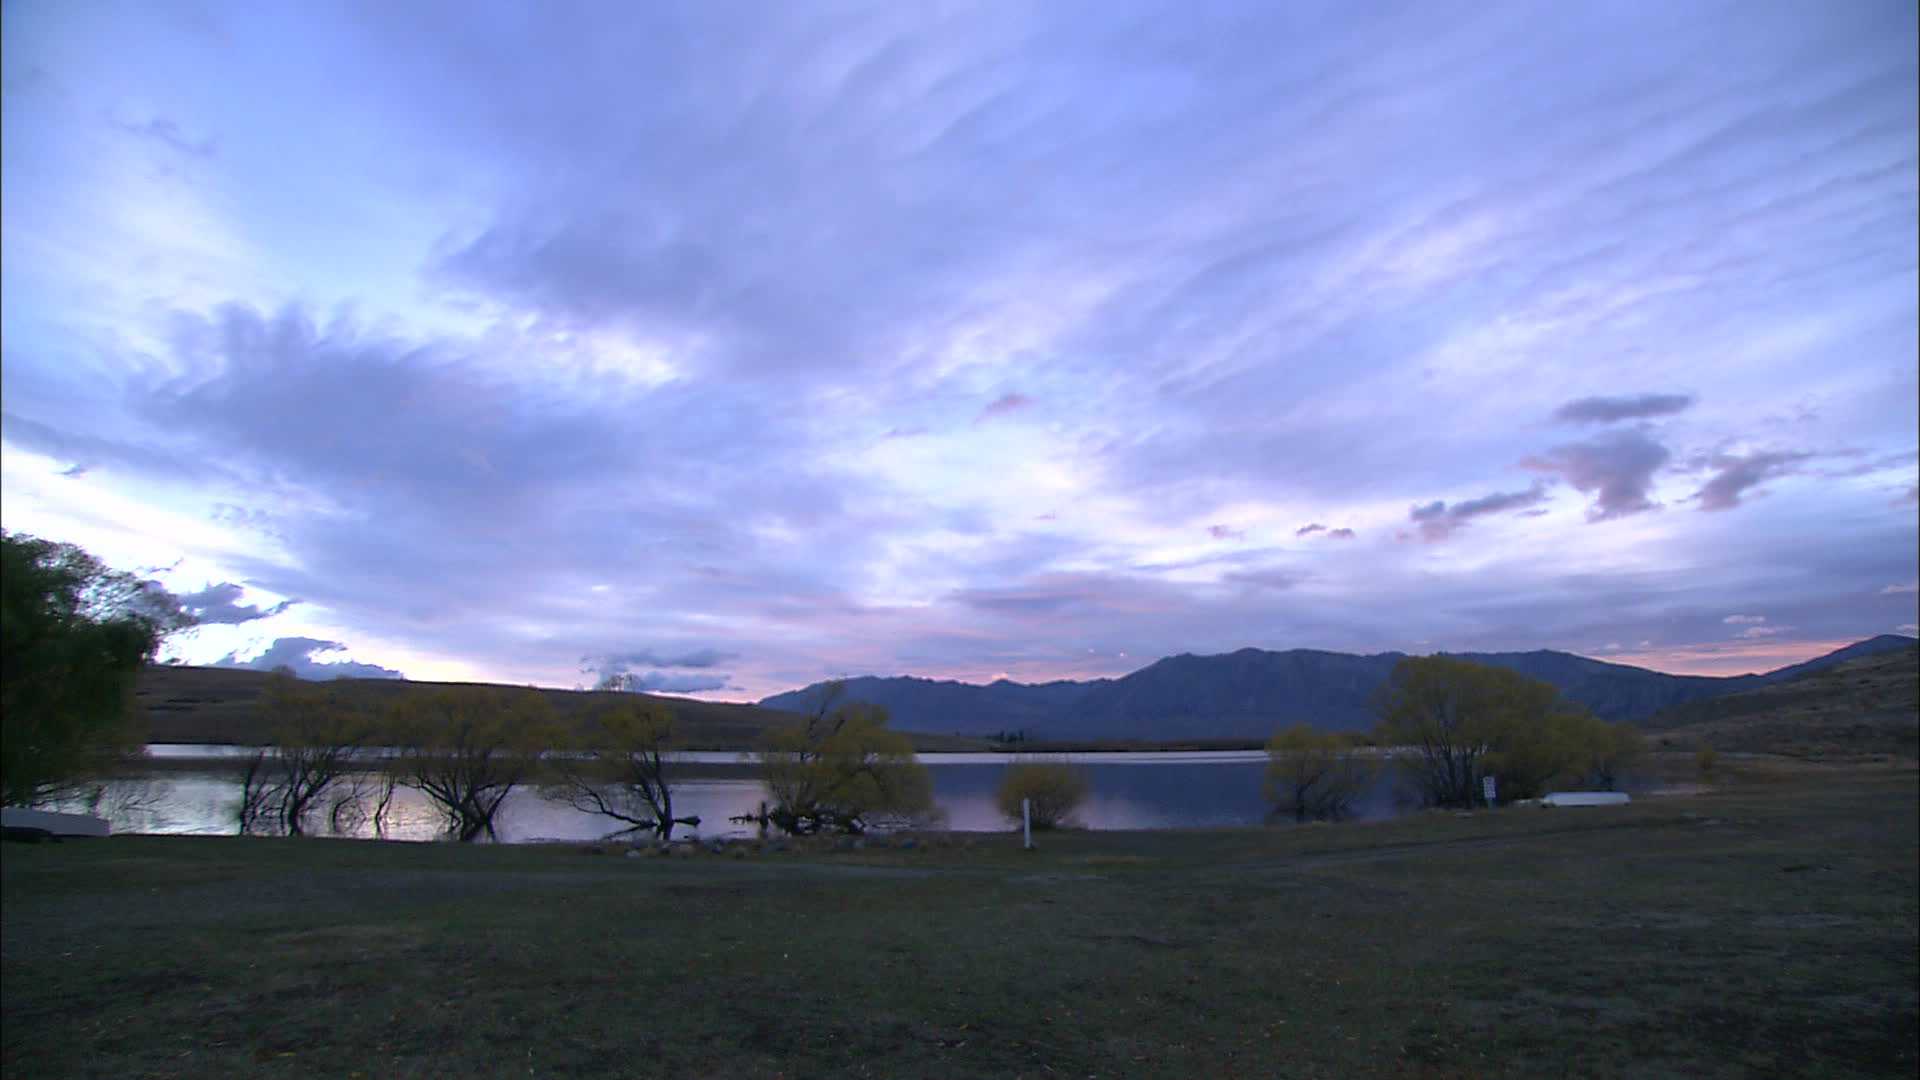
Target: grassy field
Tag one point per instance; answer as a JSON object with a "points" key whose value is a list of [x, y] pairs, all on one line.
{"points": [[1765, 927], [1862, 707]]}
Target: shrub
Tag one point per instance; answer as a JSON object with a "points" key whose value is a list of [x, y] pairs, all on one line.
{"points": [[1705, 759], [1054, 790]]}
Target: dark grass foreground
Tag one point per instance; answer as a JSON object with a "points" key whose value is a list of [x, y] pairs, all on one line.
{"points": [[1768, 928]]}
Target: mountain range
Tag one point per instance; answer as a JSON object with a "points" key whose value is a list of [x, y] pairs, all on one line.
{"points": [[1249, 693]]}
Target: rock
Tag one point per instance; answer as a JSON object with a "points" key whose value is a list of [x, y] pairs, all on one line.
{"points": [[635, 853]]}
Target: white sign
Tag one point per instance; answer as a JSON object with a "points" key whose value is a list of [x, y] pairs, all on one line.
{"points": [[1486, 788]]}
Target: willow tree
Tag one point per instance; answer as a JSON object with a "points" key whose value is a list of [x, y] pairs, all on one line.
{"points": [[1315, 775], [1454, 722], [841, 770], [73, 638], [619, 768], [467, 747], [316, 739]]}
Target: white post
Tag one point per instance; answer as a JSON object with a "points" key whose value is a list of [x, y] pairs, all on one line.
{"points": [[1026, 822]]}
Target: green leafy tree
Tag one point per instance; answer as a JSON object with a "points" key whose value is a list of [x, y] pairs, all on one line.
{"points": [[841, 770], [620, 770], [1315, 775], [73, 638], [1052, 789], [466, 748]]}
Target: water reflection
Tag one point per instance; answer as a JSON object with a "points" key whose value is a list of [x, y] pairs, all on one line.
{"points": [[1129, 791]]}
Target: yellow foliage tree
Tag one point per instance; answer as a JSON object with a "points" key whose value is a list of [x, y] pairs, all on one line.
{"points": [[467, 748], [1455, 722], [841, 769], [1315, 775], [1052, 789], [620, 770]]}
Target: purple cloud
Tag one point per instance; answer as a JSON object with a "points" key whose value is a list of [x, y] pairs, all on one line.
{"points": [[1735, 474], [1438, 520], [1617, 469], [1226, 532], [219, 604], [1608, 410], [1340, 534], [300, 655], [1308, 530], [1003, 405]]}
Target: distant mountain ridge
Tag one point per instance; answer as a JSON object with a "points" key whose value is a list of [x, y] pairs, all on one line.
{"points": [[1249, 693]]}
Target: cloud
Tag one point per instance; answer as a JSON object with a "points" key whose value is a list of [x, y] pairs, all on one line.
{"points": [[1608, 410], [1743, 620], [1226, 532], [169, 134], [1735, 474], [626, 661], [1265, 579], [298, 653], [1003, 405], [219, 604], [663, 682], [1756, 632], [1438, 520], [642, 329], [1616, 468], [1340, 534], [1910, 629], [1895, 590], [1307, 530]]}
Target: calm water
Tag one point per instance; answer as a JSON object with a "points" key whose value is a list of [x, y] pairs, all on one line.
{"points": [[1129, 791]]}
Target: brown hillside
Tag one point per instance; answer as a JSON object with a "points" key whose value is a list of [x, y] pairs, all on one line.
{"points": [[220, 705], [1862, 707]]}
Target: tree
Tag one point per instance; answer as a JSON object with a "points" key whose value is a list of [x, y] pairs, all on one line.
{"points": [[622, 770], [1053, 790], [467, 748], [73, 638], [1315, 775], [840, 769], [1607, 751], [1456, 722], [315, 741]]}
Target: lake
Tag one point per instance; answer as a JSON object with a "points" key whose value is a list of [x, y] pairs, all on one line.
{"points": [[1129, 790]]}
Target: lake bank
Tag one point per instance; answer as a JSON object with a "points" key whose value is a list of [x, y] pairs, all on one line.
{"points": [[1766, 926], [196, 790]]}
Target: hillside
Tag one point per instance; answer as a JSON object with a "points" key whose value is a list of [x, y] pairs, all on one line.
{"points": [[1248, 693], [1865, 705], [220, 705]]}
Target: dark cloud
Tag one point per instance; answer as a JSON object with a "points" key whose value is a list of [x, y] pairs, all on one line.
{"points": [[1735, 474], [627, 661], [219, 604], [1002, 405], [1308, 530], [169, 134], [1616, 469], [1340, 534], [1226, 532], [298, 654], [661, 682], [1607, 410], [1265, 579], [1438, 520]]}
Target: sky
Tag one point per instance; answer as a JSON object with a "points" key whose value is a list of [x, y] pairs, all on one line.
{"points": [[732, 346]]}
